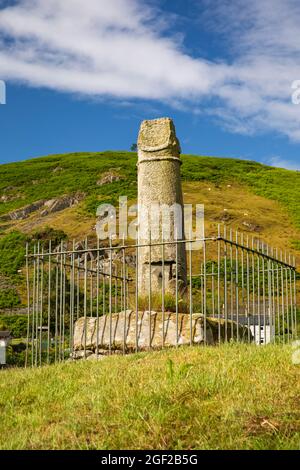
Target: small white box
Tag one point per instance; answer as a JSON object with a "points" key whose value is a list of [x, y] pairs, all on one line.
{"points": [[2, 352]]}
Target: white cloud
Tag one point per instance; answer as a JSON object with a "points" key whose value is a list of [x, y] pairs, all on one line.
{"points": [[262, 37], [122, 49], [282, 163], [97, 48]]}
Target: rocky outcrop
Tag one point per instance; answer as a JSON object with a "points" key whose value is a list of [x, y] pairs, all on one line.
{"points": [[9, 197], [136, 331], [48, 207], [25, 212], [57, 169], [60, 204], [109, 177], [252, 226]]}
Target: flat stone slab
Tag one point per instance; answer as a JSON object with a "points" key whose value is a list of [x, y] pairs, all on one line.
{"points": [[158, 134], [128, 331]]}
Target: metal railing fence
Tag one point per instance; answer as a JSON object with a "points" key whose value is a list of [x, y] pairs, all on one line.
{"points": [[239, 287]]}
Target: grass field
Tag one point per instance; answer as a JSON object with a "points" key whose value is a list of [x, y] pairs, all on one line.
{"points": [[230, 397]]}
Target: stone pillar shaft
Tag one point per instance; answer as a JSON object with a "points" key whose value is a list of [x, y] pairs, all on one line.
{"points": [[159, 186]]}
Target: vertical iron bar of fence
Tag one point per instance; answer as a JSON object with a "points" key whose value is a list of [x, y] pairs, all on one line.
{"points": [[72, 314], [127, 287], [70, 297], [28, 305], [274, 295], [150, 286], [37, 305], [231, 285], [243, 273], [258, 292], [282, 299], [202, 289], [56, 306], [287, 299], [163, 287], [97, 297], [124, 291], [37, 311], [33, 307], [225, 287], [270, 297], [41, 306], [248, 289], [72, 300], [253, 291], [237, 272], [78, 286], [121, 286], [191, 290], [295, 300], [137, 298], [213, 287], [274, 299], [176, 294], [116, 288], [205, 292], [91, 287], [60, 302], [278, 298], [291, 298], [219, 284], [64, 307], [104, 294], [110, 294], [264, 296], [85, 297], [49, 303]]}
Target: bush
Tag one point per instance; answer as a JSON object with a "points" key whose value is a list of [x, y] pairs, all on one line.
{"points": [[47, 234], [14, 357], [16, 324], [9, 298], [12, 252]]}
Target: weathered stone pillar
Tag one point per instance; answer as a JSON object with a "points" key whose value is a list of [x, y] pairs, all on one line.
{"points": [[159, 186]]}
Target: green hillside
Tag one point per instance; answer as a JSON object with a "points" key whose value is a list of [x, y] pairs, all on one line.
{"points": [[48, 177], [244, 195], [227, 397]]}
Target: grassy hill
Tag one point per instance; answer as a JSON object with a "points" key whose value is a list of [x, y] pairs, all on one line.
{"points": [[228, 397], [260, 200], [29, 181]]}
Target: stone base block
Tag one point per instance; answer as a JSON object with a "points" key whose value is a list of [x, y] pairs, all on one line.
{"points": [[129, 331]]}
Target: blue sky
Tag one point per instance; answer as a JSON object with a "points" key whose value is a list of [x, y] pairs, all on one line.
{"points": [[80, 76]]}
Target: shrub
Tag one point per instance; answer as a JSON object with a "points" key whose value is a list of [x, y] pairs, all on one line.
{"points": [[9, 298], [47, 234], [16, 324], [12, 252]]}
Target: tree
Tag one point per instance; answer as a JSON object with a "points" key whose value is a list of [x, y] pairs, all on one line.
{"points": [[133, 148]]}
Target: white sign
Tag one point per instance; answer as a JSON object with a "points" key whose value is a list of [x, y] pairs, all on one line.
{"points": [[2, 352]]}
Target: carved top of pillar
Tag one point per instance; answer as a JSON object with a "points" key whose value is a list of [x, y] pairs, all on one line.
{"points": [[158, 137]]}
